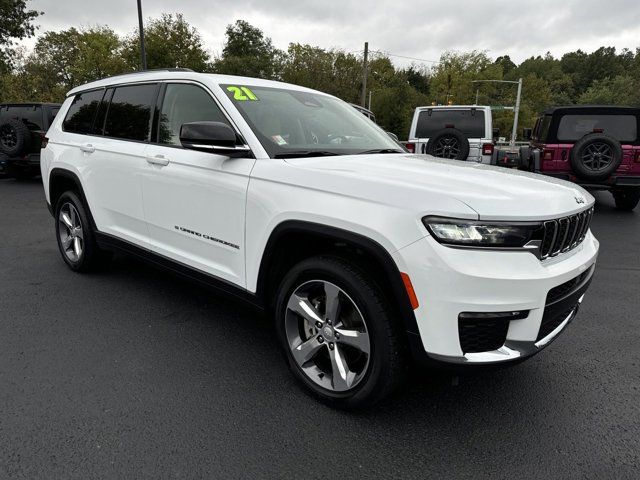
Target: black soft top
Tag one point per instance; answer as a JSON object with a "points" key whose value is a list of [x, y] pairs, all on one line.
{"points": [[593, 109]]}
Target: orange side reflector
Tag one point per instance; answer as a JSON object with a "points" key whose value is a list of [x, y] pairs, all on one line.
{"points": [[410, 291]]}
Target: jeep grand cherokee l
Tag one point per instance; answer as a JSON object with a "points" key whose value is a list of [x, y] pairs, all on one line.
{"points": [[367, 257]]}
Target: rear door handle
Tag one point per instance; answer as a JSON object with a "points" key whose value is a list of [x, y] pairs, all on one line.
{"points": [[88, 148], [158, 160]]}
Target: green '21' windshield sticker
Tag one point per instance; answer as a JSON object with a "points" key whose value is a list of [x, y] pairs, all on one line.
{"points": [[242, 94]]}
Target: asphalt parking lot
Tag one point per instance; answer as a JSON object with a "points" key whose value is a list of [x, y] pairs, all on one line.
{"points": [[133, 373]]}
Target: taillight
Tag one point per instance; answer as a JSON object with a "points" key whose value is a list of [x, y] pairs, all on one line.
{"points": [[547, 154], [411, 147], [487, 148], [637, 159], [44, 141]]}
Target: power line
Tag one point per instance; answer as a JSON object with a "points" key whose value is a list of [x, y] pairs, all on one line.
{"points": [[404, 56]]}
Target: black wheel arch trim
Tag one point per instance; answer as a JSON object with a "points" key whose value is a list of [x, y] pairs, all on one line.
{"points": [[69, 175], [389, 266]]}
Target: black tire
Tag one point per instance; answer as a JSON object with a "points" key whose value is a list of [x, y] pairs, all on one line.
{"points": [[588, 164], [91, 257], [626, 198], [386, 365], [21, 173], [15, 138], [441, 144]]}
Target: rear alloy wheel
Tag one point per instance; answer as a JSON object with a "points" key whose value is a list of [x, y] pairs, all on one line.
{"points": [[70, 232], [75, 236], [339, 337]]}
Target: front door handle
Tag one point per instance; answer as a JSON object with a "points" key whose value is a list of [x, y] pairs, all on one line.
{"points": [[87, 148], [158, 160]]}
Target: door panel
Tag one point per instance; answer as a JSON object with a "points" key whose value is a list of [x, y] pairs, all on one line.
{"points": [[116, 161], [194, 202]]}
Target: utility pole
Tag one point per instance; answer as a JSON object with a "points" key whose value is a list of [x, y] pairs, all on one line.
{"points": [[514, 132], [143, 52], [370, 92], [477, 95], [516, 109], [365, 68]]}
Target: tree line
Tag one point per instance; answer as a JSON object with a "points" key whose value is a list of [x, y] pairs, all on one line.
{"points": [[63, 59]]}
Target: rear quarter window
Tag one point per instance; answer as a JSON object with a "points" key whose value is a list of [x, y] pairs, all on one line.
{"points": [[82, 112], [623, 128], [469, 122]]}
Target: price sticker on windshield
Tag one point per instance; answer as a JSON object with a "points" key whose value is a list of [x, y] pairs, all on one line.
{"points": [[242, 94]]}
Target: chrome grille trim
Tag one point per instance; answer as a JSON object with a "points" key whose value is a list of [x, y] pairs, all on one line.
{"points": [[564, 234]]}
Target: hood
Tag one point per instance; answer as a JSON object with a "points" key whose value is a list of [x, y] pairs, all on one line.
{"points": [[495, 193]]}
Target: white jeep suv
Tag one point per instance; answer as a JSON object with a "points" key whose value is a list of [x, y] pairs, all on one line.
{"points": [[366, 256]]}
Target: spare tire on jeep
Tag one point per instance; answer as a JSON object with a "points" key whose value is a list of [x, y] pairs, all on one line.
{"points": [[448, 143], [596, 156], [15, 137]]}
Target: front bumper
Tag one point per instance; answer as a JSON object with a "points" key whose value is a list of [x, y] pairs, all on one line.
{"points": [[449, 281]]}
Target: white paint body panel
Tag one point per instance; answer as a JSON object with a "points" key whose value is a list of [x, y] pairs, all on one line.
{"points": [[383, 197]]}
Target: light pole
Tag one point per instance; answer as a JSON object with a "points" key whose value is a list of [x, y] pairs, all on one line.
{"points": [[143, 52], [516, 110]]}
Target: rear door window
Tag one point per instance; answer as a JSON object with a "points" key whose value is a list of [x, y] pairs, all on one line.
{"points": [[129, 113], [81, 113], [469, 122], [31, 115], [185, 103], [623, 128]]}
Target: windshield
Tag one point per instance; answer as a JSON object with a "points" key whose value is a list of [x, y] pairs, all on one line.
{"points": [[294, 123]]}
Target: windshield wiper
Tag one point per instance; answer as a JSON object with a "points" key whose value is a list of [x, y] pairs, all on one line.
{"points": [[381, 150], [305, 153]]}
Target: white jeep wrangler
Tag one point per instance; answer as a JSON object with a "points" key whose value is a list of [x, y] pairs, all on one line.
{"points": [[366, 256], [457, 132]]}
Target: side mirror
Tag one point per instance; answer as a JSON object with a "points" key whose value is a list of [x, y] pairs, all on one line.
{"points": [[213, 137], [393, 135], [495, 134], [526, 133]]}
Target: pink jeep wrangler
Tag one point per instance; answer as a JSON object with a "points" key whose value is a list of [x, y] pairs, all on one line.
{"points": [[595, 146]]}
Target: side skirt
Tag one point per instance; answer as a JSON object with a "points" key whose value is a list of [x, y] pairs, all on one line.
{"points": [[110, 242]]}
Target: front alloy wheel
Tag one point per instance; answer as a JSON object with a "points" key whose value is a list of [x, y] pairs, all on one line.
{"points": [[341, 337], [327, 335]]}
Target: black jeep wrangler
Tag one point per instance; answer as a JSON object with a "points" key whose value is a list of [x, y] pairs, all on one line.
{"points": [[22, 132]]}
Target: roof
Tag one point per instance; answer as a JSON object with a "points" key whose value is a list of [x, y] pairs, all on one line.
{"points": [[183, 74], [583, 108], [452, 107]]}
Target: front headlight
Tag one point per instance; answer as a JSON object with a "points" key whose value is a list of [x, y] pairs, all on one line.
{"points": [[451, 231]]}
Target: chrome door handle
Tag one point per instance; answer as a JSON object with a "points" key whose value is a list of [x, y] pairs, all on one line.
{"points": [[158, 160], [87, 148]]}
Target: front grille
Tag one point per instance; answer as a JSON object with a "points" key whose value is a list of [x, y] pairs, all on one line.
{"points": [[566, 288], [482, 336], [550, 321], [564, 234]]}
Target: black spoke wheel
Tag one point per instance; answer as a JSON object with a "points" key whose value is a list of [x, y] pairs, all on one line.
{"points": [[596, 157], [449, 143]]}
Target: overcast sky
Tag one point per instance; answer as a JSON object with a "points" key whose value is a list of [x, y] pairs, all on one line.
{"points": [[419, 28]]}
